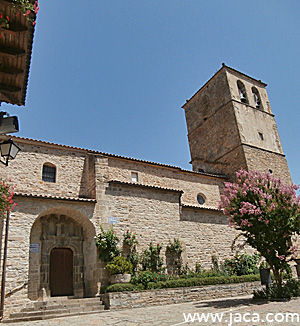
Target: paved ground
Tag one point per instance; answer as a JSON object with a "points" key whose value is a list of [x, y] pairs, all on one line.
{"points": [[234, 311]]}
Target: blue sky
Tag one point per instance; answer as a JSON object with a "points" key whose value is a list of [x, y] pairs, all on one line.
{"points": [[113, 75]]}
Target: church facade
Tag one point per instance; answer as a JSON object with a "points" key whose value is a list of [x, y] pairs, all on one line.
{"points": [[64, 193]]}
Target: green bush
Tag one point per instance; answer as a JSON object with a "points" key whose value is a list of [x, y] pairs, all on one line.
{"points": [[208, 281], [177, 283], [151, 259], [122, 287], [107, 244], [119, 265], [241, 265], [146, 277], [290, 289]]}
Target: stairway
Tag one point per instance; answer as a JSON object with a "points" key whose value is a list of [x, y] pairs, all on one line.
{"points": [[56, 307]]}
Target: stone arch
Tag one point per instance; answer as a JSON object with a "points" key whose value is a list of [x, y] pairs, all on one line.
{"points": [[62, 227], [242, 92]]}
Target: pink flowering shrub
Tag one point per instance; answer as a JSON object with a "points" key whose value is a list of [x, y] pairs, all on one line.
{"points": [[267, 212], [6, 198]]}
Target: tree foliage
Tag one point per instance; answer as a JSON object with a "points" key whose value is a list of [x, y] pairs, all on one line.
{"points": [[267, 212]]}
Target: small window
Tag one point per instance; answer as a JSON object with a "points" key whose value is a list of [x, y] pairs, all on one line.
{"points": [[49, 173], [261, 136], [200, 199], [242, 92], [134, 177], [256, 98], [201, 170]]}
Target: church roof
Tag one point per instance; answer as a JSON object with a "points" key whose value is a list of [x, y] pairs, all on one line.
{"points": [[138, 185], [72, 148], [23, 194]]}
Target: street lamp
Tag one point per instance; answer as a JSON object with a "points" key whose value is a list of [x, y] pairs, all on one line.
{"points": [[9, 151]]}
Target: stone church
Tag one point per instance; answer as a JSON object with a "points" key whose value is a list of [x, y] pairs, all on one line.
{"points": [[63, 193]]}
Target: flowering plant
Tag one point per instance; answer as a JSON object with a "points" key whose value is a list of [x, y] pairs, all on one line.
{"points": [[26, 7], [6, 198], [151, 259], [267, 213], [129, 238], [107, 243], [4, 21], [174, 250]]}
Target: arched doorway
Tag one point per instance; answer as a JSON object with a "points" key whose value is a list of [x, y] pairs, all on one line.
{"points": [[62, 227], [61, 272], [59, 234]]}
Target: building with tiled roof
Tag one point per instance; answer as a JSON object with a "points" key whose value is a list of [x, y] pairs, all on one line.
{"points": [[64, 193]]}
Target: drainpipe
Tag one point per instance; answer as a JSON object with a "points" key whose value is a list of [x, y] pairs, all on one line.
{"points": [[4, 268]]}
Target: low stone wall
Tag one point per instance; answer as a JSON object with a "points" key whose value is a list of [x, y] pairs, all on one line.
{"points": [[137, 299]]}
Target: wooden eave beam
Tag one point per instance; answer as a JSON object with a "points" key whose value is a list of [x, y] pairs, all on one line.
{"points": [[6, 2], [10, 51], [9, 88], [9, 98], [15, 30], [10, 71]]}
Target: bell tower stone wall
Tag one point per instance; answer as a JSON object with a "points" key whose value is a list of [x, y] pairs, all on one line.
{"points": [[231, 126]]}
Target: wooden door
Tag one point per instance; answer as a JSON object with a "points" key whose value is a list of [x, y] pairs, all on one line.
{"points": [[61, 272]]}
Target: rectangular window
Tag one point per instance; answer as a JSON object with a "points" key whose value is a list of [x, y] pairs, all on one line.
{"points": [[49, 173], [261, 136], [134, 177]]}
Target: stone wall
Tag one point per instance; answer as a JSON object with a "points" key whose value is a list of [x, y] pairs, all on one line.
{"points": [[26, 170], [214, 138], [125, 300], [265, 161], [155, 216], [166, 177]]}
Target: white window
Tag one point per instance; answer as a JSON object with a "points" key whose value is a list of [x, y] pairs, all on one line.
{"points": [[134, 177]]}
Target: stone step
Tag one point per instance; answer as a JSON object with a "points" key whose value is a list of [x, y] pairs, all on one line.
{"points": [[26, 318], [57, 308]]}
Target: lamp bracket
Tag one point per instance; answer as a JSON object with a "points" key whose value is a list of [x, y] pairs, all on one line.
{"points": [[5, 163], [2, 114]]}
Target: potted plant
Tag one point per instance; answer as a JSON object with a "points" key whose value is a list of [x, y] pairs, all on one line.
{"points": [[120, 270], [265, 273], [297, 267]]}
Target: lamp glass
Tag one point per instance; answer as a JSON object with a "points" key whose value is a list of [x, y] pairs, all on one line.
{"points": [[9, 149], [14, 150], [5, 149]]}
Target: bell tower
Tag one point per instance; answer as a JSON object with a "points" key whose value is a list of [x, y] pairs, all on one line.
{"points": [[231, 126]]}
